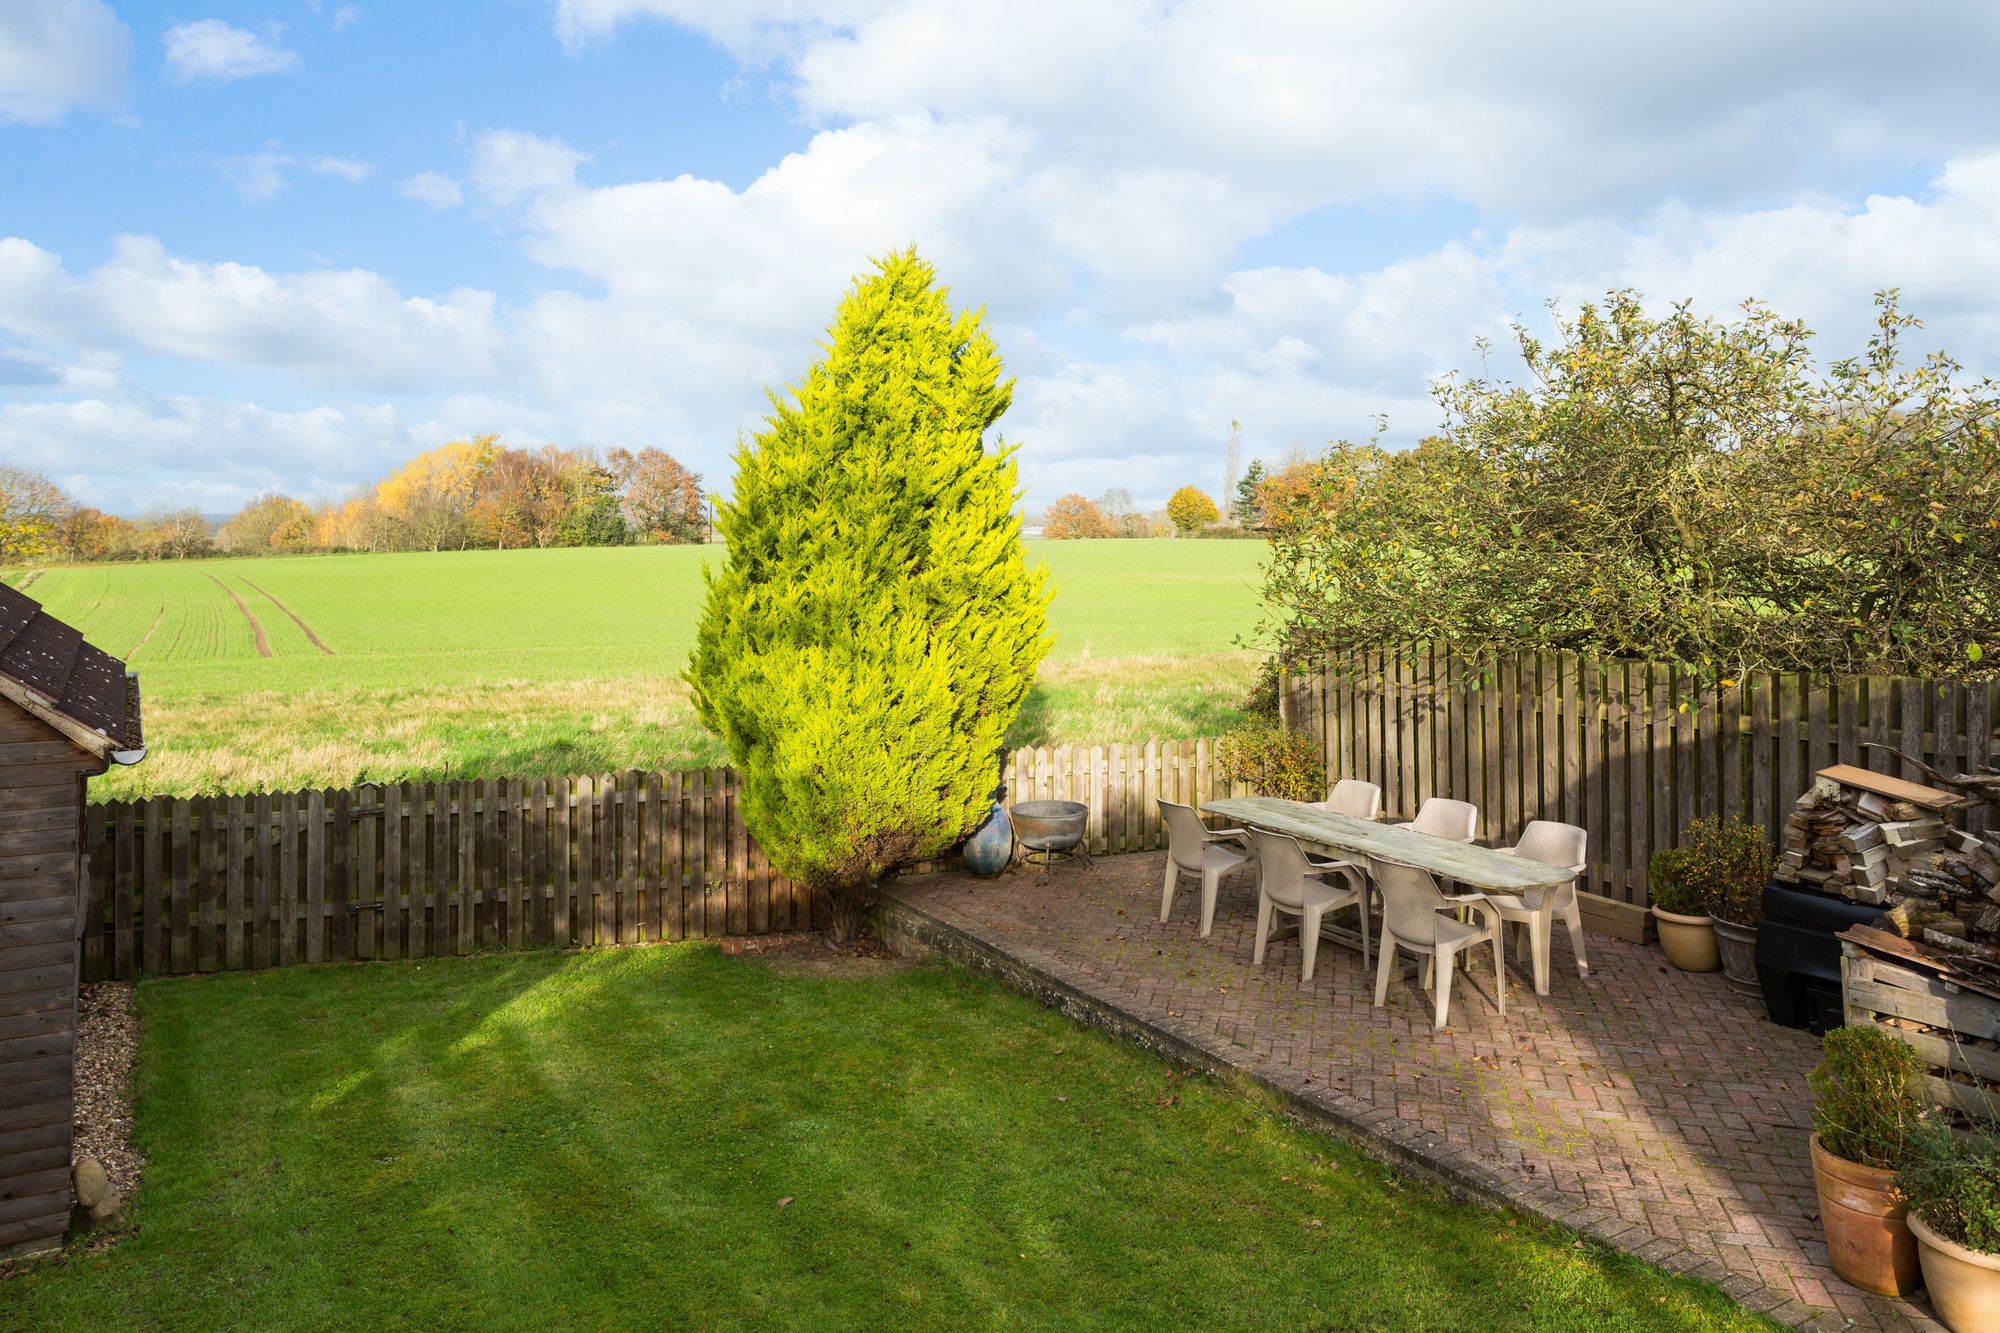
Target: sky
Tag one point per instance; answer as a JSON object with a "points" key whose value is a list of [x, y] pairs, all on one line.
{"points": [[285, 244]]}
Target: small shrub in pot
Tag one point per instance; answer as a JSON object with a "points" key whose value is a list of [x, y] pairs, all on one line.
{"points": [[1865, 1107], [1951, 1184], [1681, 904]]}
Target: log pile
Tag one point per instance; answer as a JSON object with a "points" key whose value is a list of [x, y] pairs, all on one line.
{"points": [[1883, 841]]}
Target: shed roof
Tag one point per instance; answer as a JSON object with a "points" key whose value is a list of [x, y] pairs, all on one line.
{"points": [[81, 690]]}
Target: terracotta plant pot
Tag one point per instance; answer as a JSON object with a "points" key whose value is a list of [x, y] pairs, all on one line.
{"points": [[1688, 941], [1738, 946], [1964, 1284], [1867, 1227]]}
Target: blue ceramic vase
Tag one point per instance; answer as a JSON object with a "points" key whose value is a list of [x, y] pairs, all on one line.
{"points": [[988, 851]]}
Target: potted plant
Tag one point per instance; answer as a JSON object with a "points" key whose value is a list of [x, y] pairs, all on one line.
{"points": [[1681, 904], [1734, 855], [1864, 1109], [1951, 1184]]}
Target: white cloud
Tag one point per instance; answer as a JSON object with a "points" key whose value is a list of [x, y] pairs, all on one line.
{"points": [[257, 176], [428, 187], [350, 169], [347, 14], [56, 55], [510, 165], [210, 49], [328, 327]]}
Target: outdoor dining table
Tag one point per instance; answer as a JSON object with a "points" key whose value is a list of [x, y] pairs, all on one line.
{"points": [[1345, 836]]}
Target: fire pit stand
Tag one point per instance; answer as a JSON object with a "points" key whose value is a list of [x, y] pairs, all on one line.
{"points": [[1048, 829]]}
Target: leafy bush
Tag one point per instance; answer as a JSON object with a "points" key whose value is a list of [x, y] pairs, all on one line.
{"points": [[875, 627], [1865, 1102], [1729, 861], [1275, 762], [1261, 703], [1673, 887], [1952, 1182], [1671, 487]]}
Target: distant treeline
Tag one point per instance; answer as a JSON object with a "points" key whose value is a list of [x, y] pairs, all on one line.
{"points": [[469, 493]]}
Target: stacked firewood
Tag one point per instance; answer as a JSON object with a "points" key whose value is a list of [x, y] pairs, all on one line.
{"points": [[1880, 840]]}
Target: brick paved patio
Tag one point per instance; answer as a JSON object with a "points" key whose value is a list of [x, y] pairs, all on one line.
{"points": [[1651, 1109]]}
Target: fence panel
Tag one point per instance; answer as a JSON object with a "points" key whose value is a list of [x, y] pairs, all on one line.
{"points": [[1629, 750]]}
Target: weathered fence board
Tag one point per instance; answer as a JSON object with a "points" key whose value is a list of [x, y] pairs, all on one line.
{"points": [[1628, 750], [422, 869]]}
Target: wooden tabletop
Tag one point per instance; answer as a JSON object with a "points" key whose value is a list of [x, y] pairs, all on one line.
{"points": [[1477, 867]]}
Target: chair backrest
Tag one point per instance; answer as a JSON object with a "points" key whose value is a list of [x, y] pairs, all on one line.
{"points": [[1553, 844], [1446, 818], [1281, 865], [1410, 900], [1186, 834], [1352, 796]]}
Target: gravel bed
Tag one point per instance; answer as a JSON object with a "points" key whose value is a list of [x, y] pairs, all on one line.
{"points": [[107, 1035]]}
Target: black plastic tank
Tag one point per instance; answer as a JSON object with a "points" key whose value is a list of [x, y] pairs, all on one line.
{"points": [[1798, 958]]}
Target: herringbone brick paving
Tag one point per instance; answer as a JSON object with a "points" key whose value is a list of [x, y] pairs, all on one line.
{"points": [[1650, 1107]]}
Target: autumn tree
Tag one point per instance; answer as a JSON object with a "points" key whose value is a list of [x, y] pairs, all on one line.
{"points": [[89, 533], [590, 511], [874, 629], [432, 495], [519, 499], [254, 526], [32, 511], [1191, 510], [1073, 516], [662, 499], [177, 534]]}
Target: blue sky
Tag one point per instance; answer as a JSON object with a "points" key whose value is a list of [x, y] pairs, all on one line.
{"points": [[247, 246]]}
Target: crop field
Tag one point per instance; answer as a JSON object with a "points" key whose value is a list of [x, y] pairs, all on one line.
{"points": [[325, 670]]}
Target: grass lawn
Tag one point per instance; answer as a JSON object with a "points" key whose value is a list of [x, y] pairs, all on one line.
{"points": [[604, 1140], [522, 663]]}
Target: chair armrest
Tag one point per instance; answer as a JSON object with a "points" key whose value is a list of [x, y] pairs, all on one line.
{"points": [[1223, 834]]}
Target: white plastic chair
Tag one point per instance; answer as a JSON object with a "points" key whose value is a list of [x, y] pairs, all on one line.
{"points": [[1287, 882], [1534, 910], [1192, 846], [1352, 796], [1444, 818], [1416, 915]]}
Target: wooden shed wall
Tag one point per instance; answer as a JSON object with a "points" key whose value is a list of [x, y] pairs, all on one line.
{"points": [[41, 810]]}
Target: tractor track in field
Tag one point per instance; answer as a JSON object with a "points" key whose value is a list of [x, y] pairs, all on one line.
{"points": [[256, 630], [158, 616], [27, 580], [304, 628]]}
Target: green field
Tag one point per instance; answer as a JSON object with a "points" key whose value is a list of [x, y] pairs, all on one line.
{"points": [[512, 663]]}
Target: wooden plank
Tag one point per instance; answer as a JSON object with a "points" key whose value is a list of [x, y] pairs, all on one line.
{"points": [[1912, 719], [178, 892], [672, 874], [342, 927], [489, 850], [466, 798], [513, 893], [695, 830], [1980, 747], [262, 936], [1819, 732], [1569, 677], [443, 937], [1625, 880], [1596, 775], [1545, 735], [234, 913], [1406, 733], [315, 924], [1762, 743], [394, 796], [124, 963], [94, 866], [535, 855], [739, 873], [285, 928], [655, 923], [1660, 786], [562, 864], [1790, 770], [1965, 1013], [1896, 789], [1729, 723], [1683, 718]]}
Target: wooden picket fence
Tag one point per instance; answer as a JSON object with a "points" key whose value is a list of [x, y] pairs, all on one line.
{"points": [[1631, 751], [414, 870]]}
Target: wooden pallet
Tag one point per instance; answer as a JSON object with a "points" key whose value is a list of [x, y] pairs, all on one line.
{"points": [[1887, 983]]}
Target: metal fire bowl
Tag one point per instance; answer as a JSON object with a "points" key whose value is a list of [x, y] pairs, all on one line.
{"points": [[1050, 829]]}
